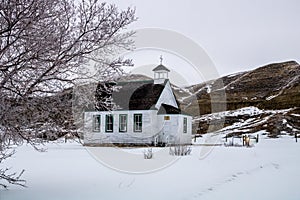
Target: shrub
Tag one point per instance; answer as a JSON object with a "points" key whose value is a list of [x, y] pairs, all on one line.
{"points": [[180, 150]]}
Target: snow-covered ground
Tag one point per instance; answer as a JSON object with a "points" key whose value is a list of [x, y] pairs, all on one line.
{"points": [[269, 170]]}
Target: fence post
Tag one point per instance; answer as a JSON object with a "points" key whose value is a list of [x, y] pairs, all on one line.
{"points": [[257, 138], [296, 136], [247, 141]]}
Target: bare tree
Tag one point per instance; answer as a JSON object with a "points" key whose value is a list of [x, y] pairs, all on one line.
{"points": [[44, 49]]}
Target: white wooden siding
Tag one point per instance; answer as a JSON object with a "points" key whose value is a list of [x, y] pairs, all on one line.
{"points": [[151, 127], [169, 131]]}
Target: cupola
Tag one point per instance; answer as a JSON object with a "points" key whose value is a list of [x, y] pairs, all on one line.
{"points": [[160, 73]]}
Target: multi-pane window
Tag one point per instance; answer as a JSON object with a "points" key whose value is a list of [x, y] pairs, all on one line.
{"points": [[137, 123], [96, 122], [184, 125], [122, 123], [109, 123]]}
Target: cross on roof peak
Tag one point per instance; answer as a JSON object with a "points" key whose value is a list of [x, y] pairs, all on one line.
{"points": [[161, 59]]}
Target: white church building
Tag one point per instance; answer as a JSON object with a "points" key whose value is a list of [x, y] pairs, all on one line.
{"points": [[147, 113]]}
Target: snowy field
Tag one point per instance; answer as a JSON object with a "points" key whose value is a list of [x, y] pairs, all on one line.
{"points": [[269, 170]]}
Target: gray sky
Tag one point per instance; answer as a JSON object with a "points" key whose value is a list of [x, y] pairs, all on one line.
{"points": [[238, 35]]}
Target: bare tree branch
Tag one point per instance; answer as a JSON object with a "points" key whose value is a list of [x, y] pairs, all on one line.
{"points": [[45, 47]]}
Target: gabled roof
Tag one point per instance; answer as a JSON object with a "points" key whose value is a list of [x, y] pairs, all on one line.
{"points": [[134, 95], [160, 67]]}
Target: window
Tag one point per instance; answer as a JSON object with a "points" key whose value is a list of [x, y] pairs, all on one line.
{"points": [[109, 123], [96, 122], [123, 123], [137, 123], [160, 75], [184, 125]]}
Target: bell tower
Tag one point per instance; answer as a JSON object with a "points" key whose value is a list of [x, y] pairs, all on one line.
{"points": [[160, 73]]}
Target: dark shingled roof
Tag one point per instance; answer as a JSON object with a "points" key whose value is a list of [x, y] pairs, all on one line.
{"points": [[167, 109], [160, 67], [136, 95]]}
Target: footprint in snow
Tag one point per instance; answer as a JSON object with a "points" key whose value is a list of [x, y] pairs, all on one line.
{"points": [[126, 184], [276, 166]]}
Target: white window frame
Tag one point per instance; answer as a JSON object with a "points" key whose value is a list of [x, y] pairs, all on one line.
{"points": [[96, 123], [138, 122], [109, 123], [123, 123]]}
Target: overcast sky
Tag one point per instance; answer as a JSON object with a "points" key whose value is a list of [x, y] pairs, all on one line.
{"points": [[237, 35]]}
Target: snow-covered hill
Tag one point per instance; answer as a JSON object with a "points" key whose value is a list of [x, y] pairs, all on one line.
{"points": [[274, 86], [252, 120], [270, 93]]}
